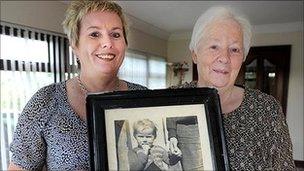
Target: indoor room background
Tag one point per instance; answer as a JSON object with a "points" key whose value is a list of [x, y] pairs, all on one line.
{"points": [[35, 53]]}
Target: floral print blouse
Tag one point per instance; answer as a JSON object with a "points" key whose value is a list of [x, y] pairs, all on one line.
{"points": [[256, 133]]}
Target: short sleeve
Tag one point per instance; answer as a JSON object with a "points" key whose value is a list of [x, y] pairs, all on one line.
{"points": [[28, 146]]}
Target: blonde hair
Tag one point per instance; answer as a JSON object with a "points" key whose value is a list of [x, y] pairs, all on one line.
{"points": [[78, 9], [144, 124], [214, 14]]}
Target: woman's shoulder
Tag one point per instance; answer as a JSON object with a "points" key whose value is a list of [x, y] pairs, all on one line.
{"points": [[258, 95], [49, 92], [51, 87], [41, 105], [262, 100], [134, 86], [44, 98]]}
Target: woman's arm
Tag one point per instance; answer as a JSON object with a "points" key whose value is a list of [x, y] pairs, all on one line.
{"points": [[28, 146]]}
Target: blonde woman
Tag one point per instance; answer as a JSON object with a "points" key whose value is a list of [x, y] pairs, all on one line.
{"points": [[51, 131]]}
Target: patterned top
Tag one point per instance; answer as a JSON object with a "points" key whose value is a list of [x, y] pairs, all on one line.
{"points": [[256, 133], [50, 133]]}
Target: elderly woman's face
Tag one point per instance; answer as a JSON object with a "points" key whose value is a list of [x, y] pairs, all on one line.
{"points": [[219, 54], [101, 46]]}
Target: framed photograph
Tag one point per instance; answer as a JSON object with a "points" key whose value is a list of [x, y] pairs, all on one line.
{"points": [[168, 129]]}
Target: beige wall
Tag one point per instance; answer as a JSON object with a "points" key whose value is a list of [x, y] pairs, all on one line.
{"points": [[147, 43], [178, 52], [48, 15]]}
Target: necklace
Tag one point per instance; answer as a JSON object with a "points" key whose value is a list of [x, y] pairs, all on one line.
{"points": [[86, 91], [82, 86]]}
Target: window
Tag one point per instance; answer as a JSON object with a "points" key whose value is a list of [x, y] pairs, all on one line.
{"points": [[157, 73], [144, 69]]}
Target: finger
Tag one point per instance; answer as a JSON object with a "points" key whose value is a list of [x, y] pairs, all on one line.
{"points": [[175, 148]]}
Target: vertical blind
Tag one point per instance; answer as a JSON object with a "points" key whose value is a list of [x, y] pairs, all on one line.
{"points": [[59, 61], [30, 59]]}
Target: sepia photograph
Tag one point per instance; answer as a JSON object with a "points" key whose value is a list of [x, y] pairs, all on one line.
{"points": [[158, 138], [175, 133]]}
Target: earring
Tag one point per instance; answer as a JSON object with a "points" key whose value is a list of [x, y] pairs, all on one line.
{"points": [[78, 64]]}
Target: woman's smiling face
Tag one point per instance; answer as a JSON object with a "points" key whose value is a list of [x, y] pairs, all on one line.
{"points": [[219, 54], [101, 47]]}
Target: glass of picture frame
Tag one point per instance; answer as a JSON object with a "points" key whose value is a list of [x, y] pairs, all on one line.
{"points": [[167, 129]]}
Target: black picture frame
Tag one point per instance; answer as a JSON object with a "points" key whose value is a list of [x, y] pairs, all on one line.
{"points": [[109, 118]]}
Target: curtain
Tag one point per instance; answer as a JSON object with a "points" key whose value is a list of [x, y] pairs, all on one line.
{"points": [[145, 69]]}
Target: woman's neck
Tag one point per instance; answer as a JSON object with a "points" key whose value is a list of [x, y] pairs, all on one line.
{"points": [[230, 97], [99, 84], [225, 94]]}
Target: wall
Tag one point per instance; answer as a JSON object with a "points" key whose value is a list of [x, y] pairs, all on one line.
{"points": [[141, 41], [48, 15], [178, 52]]}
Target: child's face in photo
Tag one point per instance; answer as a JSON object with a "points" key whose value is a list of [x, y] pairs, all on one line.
{"points": [[145, 137]]}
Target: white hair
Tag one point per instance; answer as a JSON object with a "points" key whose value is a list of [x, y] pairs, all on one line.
{"points": [[218, 13]]}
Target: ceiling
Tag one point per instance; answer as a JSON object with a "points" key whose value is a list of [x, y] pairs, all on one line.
{"points": [[164, 18]]}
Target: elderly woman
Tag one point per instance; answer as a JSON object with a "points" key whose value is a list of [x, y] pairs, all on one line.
{"points": [[52, 130], [255, 128]]}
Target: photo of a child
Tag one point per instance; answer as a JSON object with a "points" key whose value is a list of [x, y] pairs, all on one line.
{"points": [[147, 155], [146, 142]]}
